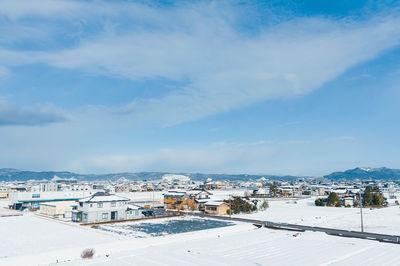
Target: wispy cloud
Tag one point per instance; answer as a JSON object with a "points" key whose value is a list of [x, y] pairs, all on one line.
{"points": [[14, 115], [264, 156], [222, 68], [47, 8], [207, 159]]}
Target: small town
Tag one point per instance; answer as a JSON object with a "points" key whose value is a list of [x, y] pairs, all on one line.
{"points": [[206, 132], [175, 204], [101, 201]]}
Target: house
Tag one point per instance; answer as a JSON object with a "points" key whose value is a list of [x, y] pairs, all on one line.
{"points": [[100, 207], [176, 200], [185, 200], [58, 208], [348, 201], [261, 192], [286, 191], [4, 192], [216, 208]]}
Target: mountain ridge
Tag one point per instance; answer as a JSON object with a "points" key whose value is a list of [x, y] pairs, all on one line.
{"points": [[363, 173], [11, 174]]}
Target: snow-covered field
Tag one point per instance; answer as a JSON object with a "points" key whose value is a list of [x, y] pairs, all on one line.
{"points": [[384, 220], [163, 227], [34, 240]]}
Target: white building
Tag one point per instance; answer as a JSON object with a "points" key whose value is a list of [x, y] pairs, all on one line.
{"points": [[101, 207], [22, 200]]}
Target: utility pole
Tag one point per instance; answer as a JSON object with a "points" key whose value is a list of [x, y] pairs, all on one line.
{"points": [[230, 206], [361, 214]]}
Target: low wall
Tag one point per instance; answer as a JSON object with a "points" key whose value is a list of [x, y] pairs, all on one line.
{"points": [[130, 220]]}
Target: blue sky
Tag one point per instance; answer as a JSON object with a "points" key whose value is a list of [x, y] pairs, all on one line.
{"points": [[261, 87]]}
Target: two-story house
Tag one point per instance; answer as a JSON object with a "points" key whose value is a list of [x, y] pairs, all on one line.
{"points": [[100, 207], [185, 200]]}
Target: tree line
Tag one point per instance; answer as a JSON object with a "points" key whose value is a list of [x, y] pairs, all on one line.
{"points": [[372, 197]]}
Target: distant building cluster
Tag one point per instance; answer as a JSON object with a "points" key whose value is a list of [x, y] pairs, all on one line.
{"points": [[103, 201]]}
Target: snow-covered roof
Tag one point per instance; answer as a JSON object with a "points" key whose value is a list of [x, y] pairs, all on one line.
{"points": [[59, 203], [133, 207], [215, 203], [175, 194], [103, 197], [198, 191]]}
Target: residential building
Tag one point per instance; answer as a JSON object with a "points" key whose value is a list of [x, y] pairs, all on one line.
{"points": [[185, 200], [101, 207], [216, 208]]}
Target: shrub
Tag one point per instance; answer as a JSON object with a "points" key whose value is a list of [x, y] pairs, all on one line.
{"points": [[239, 205], [264, 205], [87, 253], [319, 202]]}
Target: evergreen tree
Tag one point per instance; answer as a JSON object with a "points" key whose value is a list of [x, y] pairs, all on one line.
{"points": [[274, 188], [373, 197], [332, 199]]}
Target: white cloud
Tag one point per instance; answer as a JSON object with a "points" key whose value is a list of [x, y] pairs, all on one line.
{"points": [[231, 158], [223, 69], [23, 8], [257, 157], [12, 114]]}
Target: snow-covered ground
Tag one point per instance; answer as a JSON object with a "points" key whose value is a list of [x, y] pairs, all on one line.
{"points": [[34, 240], [384, 220], [4, 210], [30, 234], [244, 245]]}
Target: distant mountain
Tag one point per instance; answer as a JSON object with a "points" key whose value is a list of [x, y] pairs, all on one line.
{"points": [[14, 174], [9, 174], [366, 173]]}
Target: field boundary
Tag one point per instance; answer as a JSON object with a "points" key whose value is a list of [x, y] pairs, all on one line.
{"points": [[131, 220]]}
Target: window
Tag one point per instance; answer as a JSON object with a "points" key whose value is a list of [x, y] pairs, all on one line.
{"points": [[100, 205], [105, 216], [91, 205], [113, 204], [85, 216]]}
